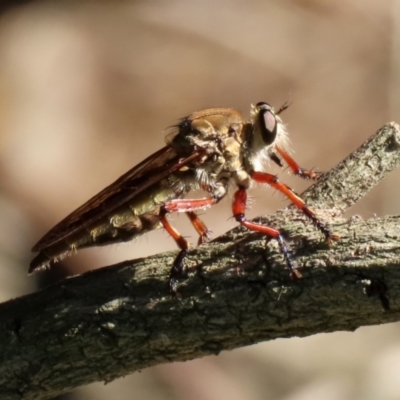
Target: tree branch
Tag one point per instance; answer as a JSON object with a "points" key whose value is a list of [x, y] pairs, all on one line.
{"points": [[110, 322]]}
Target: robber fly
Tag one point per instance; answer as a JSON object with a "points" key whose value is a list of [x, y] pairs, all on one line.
{"points": [[208, 150]]}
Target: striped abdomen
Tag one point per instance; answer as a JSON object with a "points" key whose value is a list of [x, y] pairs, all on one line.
{"points": [[132, 219]]}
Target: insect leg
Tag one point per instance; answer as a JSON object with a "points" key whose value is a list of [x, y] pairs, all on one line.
{"points": [[188, 206], [238, 208], [296, 169], [272, 180], [200, 227]]}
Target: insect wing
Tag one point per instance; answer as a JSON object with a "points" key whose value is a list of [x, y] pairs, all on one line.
{"points": [[150, 171]]}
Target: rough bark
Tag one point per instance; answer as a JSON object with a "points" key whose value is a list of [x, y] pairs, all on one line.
{"points": [[110, 322]]}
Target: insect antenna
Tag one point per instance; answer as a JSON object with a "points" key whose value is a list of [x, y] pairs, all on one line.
{"points": [[283, 107]]}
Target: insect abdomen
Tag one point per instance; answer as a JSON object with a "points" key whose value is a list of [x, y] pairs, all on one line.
{"points": [[139, 216]]}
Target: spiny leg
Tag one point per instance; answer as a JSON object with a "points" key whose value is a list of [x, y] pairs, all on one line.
{"points": [[272, 180], [200, 227], [177, 269], [238, 208], [296, 169], [188, 206]]}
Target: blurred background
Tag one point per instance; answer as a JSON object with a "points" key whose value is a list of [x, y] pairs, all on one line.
{"points": [[86, 91]]}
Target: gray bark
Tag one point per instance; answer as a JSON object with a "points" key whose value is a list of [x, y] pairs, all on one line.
{"points": [[110, 322]]}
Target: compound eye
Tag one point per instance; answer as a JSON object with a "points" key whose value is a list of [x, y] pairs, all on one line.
{"points": [[268, 126]]}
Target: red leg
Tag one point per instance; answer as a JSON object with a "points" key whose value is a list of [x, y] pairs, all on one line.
{"points": [[296, 169], [272, 180], [188, 206], [184, 205], [182, 243], [200, 226], [177, 267], [238, 208]]}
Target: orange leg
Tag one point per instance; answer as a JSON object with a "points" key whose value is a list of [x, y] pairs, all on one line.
{"points": [[201, 228], [296, 169], [238, 208], [272, 180], [187, 206]]}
